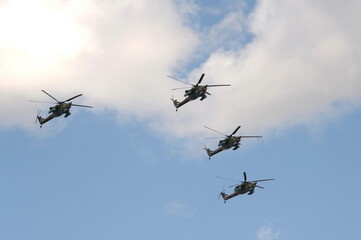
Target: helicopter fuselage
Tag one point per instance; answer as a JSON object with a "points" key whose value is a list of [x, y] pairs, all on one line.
{"points": [[191, 94], [245, 187], [60, 109], [56, 111], [229, 142], [196, 92]]}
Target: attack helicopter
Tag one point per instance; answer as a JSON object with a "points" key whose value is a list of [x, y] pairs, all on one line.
{"points": [[227, 143], [61, 107], [244, 187], [195, 92]]}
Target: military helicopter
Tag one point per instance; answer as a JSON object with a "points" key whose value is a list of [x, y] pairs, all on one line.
{"points": [[227, 143], [244, 187], [59, 109], [195, 92]]}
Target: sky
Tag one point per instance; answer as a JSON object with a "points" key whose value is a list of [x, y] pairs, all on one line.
{"points": [[133, 167]]}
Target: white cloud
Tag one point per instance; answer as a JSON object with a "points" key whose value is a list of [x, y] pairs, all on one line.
{"points": [[176, 208], [301, 66], [188, 7], [267, 233], [116, 53]]}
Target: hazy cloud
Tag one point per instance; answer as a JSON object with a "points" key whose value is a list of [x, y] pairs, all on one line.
{"points": [[267, 233], [176, 208]]}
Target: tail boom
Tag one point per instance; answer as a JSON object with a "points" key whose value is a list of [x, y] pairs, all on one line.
{"points": [[179, 104], [211, 153], [226, 196], [44, 120]]}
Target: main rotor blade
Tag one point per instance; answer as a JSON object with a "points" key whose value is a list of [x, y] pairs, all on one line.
{"points": [[179, 88], [263, 180], [245, 176], [259, 187], [233, 185], [41, 102], [229, 179], [215, 131], [73, 97], [50, 96], [213, 137], [235, 130], [200, 80], [179, 80], [251, 136], [78, 105], [219, 85]]}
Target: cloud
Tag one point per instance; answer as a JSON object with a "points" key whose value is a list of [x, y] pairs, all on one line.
{"points": [[300, 66], [267, 233], [176, 208], [116, 53]]}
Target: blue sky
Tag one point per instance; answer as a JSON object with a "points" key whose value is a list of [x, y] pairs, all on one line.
{"points": [[133, 167], [76, 185]]}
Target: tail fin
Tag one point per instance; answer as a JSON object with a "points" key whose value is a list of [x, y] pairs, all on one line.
{"points": [[37, 116], [209, 152], [175, 103], [224, 196], [40, 120]]}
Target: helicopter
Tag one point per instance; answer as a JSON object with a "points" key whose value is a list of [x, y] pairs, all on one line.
{"points": [[61, 107], [195, 92], [227, 143], [244, 187]]}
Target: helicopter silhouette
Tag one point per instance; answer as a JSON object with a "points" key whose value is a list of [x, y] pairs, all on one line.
{"points": [[61, 107], [195, 92], [244, 187], [227, 143]]}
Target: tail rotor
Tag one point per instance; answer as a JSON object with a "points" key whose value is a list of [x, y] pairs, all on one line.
{"points": [[209, 152], [37, 117], [223, 195], [220, 194], [175, 103]]}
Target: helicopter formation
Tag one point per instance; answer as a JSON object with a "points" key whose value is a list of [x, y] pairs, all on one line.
{"points": [[196, 91], [230, 141]]}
